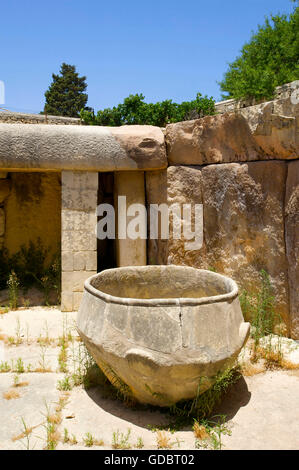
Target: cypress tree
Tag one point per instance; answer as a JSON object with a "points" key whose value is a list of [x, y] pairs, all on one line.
{"points": [[65, 96]]}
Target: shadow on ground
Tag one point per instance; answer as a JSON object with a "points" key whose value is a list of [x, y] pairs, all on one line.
{"points": [[237, 396]]}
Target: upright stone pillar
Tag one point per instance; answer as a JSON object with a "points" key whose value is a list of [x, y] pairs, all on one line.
{"points": [[129, 252], [292, 243], [78, 238], [4, 192]]}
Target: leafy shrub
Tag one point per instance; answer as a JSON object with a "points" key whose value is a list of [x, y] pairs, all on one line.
{"points": [[269, 59], [135, 111]]}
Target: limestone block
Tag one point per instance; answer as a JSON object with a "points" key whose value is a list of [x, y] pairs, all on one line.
{"points": [[276, 134], [265, 131], [78, 241], [67, 261], [79, 261], [77, 300], [84, 241], [79, 180], [67, 240], [243, 221], [81, 148], [74, 281], [178, 185], [244, 225], [66, 301], [130, 252], [156, 193], [91, 260], [78, 220], [67, 281], [212, 139], [81, 199], [292, 242]]}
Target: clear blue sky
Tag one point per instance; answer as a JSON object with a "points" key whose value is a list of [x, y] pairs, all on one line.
{"points": [[161, 48]]}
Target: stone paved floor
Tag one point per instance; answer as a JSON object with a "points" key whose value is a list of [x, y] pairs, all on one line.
{"points": [[262, 410]]}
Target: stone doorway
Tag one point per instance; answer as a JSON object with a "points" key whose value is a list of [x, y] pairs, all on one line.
{"points": [[106, 249]]}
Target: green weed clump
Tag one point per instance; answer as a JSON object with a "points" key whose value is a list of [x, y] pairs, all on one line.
{"points": [[121, 440], [13, 287], [259, 309], [204, 403], [209, 433], [30, 267]]}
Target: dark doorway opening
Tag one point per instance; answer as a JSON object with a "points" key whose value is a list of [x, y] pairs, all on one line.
{"points": [[106, 252]]}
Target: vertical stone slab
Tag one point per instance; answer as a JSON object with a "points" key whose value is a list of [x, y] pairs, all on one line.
{"points": [[243, 221], [292, 243], [129, 252], [244, 225], [78, 239], [156, 193], [4, 192], [177, 185]]}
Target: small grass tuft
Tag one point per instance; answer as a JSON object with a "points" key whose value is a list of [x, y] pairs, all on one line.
{"points": [[121, 440], [163, 440], [11, 394]]}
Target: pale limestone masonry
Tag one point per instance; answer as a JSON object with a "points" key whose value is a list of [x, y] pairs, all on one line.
{"points": [[130, 184], [78, 237]]}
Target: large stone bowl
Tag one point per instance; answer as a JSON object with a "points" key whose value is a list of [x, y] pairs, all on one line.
{"points": [[162, 333]]}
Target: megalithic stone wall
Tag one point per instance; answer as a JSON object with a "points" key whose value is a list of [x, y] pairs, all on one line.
{"points": [[78, 237], [242, 166], [243, 223]]}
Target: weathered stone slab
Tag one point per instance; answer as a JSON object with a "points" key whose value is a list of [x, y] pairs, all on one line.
{"points": [[212, 139], [129, 251], [292, 242], [243, 220], [176, 185], [265, 131], [274, 127], [244, 224], [156, 193], [88, 148]]}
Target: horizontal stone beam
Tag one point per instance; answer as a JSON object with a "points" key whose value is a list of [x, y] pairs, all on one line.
{"points": [[37, 147]]}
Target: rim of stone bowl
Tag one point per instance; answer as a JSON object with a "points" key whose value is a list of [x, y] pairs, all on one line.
{"points": [[229, 296]]}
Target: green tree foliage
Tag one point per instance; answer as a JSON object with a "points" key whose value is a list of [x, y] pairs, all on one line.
{"points": [[270, 59], [135, 111], [65, 96]]}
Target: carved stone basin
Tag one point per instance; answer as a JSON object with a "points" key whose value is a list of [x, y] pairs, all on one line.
{"points": [[157, 332]]}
